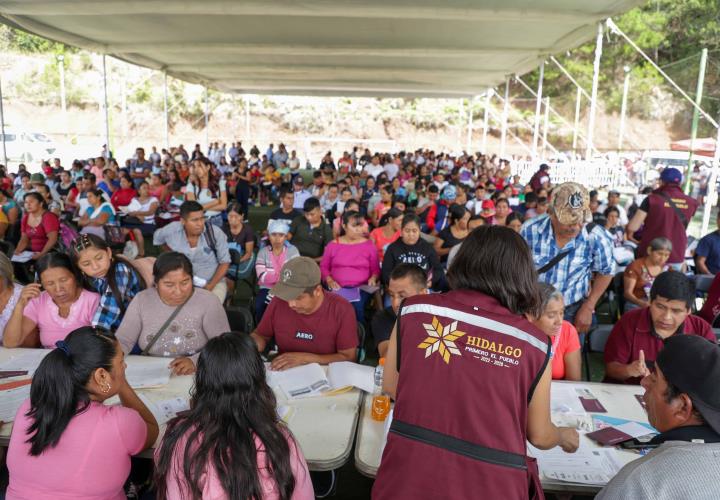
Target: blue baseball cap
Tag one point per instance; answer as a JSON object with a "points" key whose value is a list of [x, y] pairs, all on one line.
{"points": [[671, 176]]}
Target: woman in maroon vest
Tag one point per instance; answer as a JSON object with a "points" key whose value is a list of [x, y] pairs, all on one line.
{"points": [[471, 381]]}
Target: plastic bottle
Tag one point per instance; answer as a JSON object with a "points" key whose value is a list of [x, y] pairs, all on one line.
{"points": [[380, 402]]}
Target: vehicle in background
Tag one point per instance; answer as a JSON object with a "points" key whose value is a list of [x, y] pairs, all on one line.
{"points": [[677, 159], [27, 147]]}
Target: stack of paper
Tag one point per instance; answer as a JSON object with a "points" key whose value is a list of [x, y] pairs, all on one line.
{"points": [[27, 361], [25, 256], [564, 399], [165, 410], [147, 371], [347, 374], [311, 380], [596, 466], [301, 381], [12, 395]]}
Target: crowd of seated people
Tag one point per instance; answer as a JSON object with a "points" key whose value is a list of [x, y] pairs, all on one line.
{"points": [[338, 255]]}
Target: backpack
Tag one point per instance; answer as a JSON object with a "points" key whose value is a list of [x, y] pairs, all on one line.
{"points": [[66, 235]]}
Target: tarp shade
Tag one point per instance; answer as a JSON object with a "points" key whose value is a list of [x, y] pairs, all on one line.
{"points": [[701, 147], [432, 48]]}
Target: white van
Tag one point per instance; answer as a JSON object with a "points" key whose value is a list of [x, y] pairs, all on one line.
{"points": [[27, 147]]}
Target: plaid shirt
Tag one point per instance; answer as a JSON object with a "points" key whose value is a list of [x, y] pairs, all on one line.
{"points": [[109, 313], [589, 253]]}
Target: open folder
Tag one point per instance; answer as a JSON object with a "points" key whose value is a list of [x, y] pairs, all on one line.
{"points": [[311, 380]]}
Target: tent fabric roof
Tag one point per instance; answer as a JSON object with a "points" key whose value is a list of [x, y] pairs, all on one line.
{"points": [[418, 48]]}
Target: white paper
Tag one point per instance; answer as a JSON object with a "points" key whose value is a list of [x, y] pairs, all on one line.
{"points": [[147, 372], [633, 429], [10, 401], [369, 289], [134, 206], [27, 361], [25, 256], [301, 381], [346, 373], [596, 466], [564, 399], [165, 410]]}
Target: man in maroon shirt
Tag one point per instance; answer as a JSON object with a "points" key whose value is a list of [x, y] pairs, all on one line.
{"points": [[665, 212], [308, 325], [637, 338]]}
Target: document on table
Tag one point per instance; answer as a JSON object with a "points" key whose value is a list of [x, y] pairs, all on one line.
{"points": [[25, 256], [346, 373], [301, 381], [587, 465], [27, 361], [630, 427], [564, 399], [11, 399], [146, 371], [165, 410]]}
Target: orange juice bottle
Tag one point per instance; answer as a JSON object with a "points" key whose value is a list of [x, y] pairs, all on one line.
{"points": [[381, 402]]}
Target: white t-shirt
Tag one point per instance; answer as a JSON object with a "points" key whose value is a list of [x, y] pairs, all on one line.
{"points": [[204, 196], [374, 170], [144, 207]]}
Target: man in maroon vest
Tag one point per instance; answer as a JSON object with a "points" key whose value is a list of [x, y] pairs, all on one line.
{"points": [[471, 381], [666, 212]]}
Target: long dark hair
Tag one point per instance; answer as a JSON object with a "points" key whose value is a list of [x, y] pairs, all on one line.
{"points": [[496, 261], [231, 405], [92, 241], [58, 390]]}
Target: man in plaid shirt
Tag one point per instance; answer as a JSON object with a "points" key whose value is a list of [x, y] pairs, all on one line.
{"points": [[575, 258]]}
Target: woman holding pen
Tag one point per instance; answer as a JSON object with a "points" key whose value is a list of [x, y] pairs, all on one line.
{"points": [[65, 442]]}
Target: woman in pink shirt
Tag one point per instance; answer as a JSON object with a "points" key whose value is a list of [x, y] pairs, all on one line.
{"points": [[231, 443], [65, 443], [51, 314], [351, 261]]}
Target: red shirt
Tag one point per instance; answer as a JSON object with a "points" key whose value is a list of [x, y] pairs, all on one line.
{"points": [[330, 329], [563, 343], [634, 332], [122, 197], [711, 308], [38, 235]]}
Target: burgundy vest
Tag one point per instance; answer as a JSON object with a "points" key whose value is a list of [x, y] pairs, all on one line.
{"points": [[662, 220], [467, 367]]}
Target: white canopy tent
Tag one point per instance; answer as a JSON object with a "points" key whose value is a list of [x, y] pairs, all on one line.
{"points": [[414, 48]]}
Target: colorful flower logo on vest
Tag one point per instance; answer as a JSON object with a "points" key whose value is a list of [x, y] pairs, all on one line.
{"points": [[441, 339]]}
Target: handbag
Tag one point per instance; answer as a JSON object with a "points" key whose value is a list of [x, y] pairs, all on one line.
{"points": [[114, 235], [145, 352]]}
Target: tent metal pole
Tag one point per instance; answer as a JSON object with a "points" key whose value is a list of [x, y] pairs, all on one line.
{"points": [[711, 191], [503, 134], [247, 117], [2, 128], [470, 126], [545, 126], [485, 119], [623, 108], [696, 116], [107, 109], [167, 121], [207, 114], [538, 104], [593, 94], [577, 118]]}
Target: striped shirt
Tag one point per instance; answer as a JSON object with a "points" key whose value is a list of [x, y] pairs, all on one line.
{"points": [[589, 253]]}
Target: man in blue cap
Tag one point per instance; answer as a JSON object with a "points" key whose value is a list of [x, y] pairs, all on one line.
{"points": [[666, 212]]}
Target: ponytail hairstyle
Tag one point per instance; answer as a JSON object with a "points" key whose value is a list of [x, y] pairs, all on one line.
{"points": [[85, 241], [58, 391], [231, 405]]}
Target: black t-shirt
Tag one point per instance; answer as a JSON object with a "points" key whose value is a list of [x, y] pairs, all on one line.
{"points": [[382, 325], [449, 239], [245, 235], [279, 214]]}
